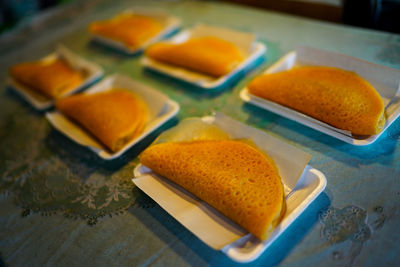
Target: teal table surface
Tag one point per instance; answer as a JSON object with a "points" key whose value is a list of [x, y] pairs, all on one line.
{"points": [[62, 205]]}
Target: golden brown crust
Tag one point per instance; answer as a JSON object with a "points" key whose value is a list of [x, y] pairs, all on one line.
{"points": [[131, 29], [340, 98], [50, 78], [115, 117], [208, 55], [233, 177]]}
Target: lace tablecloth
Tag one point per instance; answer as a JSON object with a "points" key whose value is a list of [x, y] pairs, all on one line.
{"points": [[62, 205]]}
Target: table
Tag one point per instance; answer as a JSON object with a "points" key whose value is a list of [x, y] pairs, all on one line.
{"points": [[61, 205]]}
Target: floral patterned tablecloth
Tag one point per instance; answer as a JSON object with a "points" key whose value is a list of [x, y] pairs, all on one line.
{"points": [[60, 204]]}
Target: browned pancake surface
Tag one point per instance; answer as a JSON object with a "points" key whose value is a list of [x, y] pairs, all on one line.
{"points": [[208, 55], [131, 29], [233, 177], [50, 78], [115, 117], [340, 98]]}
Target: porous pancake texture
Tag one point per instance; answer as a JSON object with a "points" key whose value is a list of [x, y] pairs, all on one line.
{"points": [[131, 29], [115, 117], [233, 177], [50, 77], [209, 55], [340, 98]]}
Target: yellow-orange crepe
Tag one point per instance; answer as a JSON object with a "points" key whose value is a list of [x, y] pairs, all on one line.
{"points": [[338, 97], [51, 78], [208, 55], [232, 176], [115, 117], [131, 29]]}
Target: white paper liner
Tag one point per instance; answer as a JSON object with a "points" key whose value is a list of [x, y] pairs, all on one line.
{"points": [[160, 110], [385, 80], [170, 24], [201, 219], [92, 71], [244, 41]]}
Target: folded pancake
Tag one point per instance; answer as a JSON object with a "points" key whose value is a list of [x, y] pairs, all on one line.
{"points": [[337, 97], [51, 78], [208, 55], [131, 29], [232, 176], [114, 117]]}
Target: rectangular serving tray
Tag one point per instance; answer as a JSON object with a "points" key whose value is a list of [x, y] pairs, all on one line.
{"points": [[385, 80], [185, 207]]}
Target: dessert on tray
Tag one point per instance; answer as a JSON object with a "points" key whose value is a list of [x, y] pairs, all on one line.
{"points": [[114, 117], [231, 175], [51, 77], [131, 29], [337, 97], [208, 55]]}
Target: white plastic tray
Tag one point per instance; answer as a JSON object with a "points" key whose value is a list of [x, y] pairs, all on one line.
{"points": [[201, 219], [170, 24], [161, 109], [247, 248], [385, 80], [93, 73], [203, 81]]}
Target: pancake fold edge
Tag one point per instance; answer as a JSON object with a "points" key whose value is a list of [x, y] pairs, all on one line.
{"points": [[232, 176]]}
